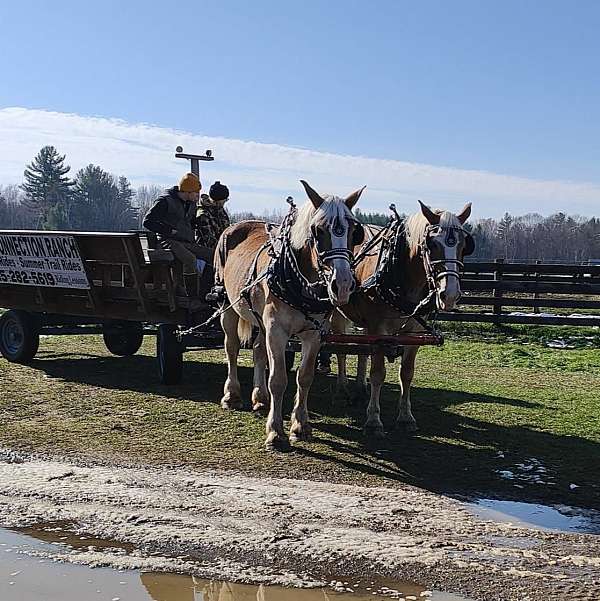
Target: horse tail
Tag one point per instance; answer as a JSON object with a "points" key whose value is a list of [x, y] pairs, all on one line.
{"points": [[244, 331]]}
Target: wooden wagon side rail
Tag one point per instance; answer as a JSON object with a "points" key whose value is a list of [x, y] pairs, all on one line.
{"points": [[123, 283]]}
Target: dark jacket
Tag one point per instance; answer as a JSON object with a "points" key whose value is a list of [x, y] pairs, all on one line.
{"points": [[170, 213]]}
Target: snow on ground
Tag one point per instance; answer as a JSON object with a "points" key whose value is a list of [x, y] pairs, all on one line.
{"points": [[283, 530]]}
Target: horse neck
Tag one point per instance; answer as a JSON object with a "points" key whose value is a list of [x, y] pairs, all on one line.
{"points": [[415, 281], [307, 263]]}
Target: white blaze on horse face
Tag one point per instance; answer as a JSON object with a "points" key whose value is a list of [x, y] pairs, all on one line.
{"points": [[448, 285], [448, 291], [342, 281]]}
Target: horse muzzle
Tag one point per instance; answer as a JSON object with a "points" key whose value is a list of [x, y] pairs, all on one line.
{"points": [[447, 298], [340, 289]]}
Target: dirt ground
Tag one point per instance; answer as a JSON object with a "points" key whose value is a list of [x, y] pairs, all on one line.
{"points": [[293, 532]]}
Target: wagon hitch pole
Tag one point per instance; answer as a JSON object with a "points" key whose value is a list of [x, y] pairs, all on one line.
{"points": [[368, 344], [391, 346]]}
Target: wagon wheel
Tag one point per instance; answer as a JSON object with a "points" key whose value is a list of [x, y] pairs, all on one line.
{"points": [[123, 338], [169, 353], [19, 336]]}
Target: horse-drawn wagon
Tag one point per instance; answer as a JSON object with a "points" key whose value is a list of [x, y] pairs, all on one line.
{"points": [[122, 285], [115, 284]]}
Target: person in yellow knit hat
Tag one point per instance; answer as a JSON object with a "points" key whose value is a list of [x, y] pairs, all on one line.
{"points": [[173, 218]]}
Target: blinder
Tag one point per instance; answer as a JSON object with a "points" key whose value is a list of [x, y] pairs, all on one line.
{"points": [[469, 245], [451, 239], [358, 235]]}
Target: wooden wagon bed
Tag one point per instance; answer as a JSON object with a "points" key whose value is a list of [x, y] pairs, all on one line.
{"points": [[128, 279]]}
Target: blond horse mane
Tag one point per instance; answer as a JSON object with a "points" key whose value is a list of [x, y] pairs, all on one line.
{"points": [[417, 223], [308, 216]]}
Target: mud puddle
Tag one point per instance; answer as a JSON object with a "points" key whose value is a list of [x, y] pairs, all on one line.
{"points": [[555, 518], [29, 571]]}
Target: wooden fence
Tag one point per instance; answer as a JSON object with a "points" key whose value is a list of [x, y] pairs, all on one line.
{"points": [[529, 293]]}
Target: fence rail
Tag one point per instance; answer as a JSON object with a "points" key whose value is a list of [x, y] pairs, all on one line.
{"points": [[505, 287]]}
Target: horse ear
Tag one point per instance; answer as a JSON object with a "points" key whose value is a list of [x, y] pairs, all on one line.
{"points": [[314, 196], [352, 199], [432, 217], [464, 214]]}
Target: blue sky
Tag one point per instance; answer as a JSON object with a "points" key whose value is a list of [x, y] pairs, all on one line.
{"points": [[507, 87]]}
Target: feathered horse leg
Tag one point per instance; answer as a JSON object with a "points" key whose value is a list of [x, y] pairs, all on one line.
{"points": [[260, 394], [373, 426], [276, 341], [405, 417], [231, 391], [300, 428]]}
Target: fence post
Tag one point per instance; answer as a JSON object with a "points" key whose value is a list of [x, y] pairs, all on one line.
{"points": [[498, 292], [536, 294]]}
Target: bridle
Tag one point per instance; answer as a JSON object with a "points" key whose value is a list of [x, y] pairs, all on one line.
{"points": [[325, 257], [432, 267], [384, 283]]}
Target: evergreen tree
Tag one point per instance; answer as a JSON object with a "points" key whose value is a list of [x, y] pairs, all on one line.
{"points": [[126, 198], [102, 203], [48, 188], [372, 218]]}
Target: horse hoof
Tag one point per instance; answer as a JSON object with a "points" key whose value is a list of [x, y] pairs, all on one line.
{"points": [[374, 431], [260, 409], [408, 427], [278, 443], [231, 403], [301, 434]]}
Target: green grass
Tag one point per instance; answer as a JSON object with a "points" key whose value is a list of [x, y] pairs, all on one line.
{"points": [[473, 401]]}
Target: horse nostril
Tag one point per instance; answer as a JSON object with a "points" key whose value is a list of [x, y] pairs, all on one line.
{"points": [[353, 285], [334, 287]]}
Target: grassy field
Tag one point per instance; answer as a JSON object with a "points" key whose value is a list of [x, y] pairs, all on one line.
{"points": [[511, 419]]}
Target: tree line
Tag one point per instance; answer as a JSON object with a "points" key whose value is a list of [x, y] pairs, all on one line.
{"points": [[96, 200], [50, 199]]}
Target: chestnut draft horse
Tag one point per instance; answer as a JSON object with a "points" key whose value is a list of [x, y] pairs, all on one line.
{"points": [[418, 260], [286, 285]]}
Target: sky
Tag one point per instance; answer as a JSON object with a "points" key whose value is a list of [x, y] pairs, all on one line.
{"points": [[496, 103]]}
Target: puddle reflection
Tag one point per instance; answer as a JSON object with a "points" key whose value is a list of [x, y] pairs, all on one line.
{"points": [[560, 518], [25, 576], [177, 587]]}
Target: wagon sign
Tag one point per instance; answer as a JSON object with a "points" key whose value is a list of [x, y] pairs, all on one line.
{"points": [[41, 260]]}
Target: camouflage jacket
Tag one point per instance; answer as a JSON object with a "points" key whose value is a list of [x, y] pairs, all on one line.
{"points": [[211, 221]]}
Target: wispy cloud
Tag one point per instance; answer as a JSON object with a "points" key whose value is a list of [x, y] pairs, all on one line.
{"points": [[262, 175]]}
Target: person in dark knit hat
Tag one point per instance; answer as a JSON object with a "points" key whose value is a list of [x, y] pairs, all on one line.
{"points": [[212, 218]]}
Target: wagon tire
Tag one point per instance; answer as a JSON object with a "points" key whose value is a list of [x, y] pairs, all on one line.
{"points": [[123, 338], [169, 353], [290, 357], [19, 336]]}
